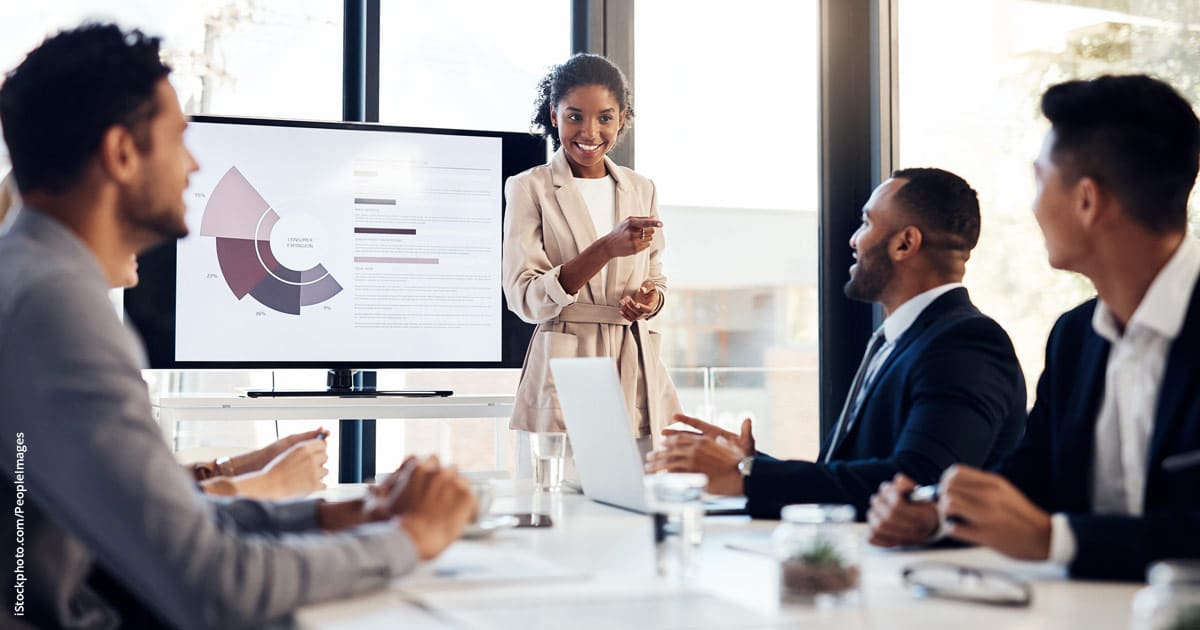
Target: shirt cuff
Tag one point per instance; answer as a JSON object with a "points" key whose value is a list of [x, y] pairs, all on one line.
{"points": [[942, 530], [1062, 540], [295, 516], [554, 288]]}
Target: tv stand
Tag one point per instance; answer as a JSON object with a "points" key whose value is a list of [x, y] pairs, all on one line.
{"points": [[353, 393], [347, 383]]}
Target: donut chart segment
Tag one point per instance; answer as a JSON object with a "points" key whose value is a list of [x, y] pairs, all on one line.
{"points": [[319, 291], [278, 296], [241, 222], [239, 265], [234, 208]]}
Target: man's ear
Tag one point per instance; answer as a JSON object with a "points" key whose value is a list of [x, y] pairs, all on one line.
{"points": [[905, 243], [119, 156], [1091, 202]]}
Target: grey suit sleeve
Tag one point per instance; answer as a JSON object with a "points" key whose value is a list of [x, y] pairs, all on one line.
{"points": [[98, 466], [249, 515]]}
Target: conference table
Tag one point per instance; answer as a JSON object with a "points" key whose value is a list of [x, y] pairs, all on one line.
{"points": [[595, 568]]}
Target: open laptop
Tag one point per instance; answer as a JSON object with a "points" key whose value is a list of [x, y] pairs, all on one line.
{"points": [[606, 454]]}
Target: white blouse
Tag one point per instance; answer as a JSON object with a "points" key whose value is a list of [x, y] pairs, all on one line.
{"points": [[600, 195]]}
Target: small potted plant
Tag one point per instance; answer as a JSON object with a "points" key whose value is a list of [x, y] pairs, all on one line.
{"points": [[818, 554], [818, 569]]}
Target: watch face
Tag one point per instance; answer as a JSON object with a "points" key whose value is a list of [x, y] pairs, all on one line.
{"points": [[745, 465]]}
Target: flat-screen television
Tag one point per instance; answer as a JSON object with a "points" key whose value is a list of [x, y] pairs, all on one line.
{"points": [[336, 245]]}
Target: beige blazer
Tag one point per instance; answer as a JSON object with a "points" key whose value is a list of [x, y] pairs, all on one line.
{"points": [[547, 224]]}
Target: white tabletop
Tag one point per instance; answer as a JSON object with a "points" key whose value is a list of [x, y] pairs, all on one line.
{"points": [[607, 556]]}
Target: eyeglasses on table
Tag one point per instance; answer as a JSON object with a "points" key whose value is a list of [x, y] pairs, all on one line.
{"points": [[944, 580]]}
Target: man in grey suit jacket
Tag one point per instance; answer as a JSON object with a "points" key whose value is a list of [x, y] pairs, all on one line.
{"points": [[106, 529]]}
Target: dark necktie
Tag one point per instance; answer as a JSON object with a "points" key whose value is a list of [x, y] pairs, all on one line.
{"points": [[850, 407]]}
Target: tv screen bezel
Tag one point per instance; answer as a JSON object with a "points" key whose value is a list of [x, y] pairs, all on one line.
{"points": [[150, 306]]}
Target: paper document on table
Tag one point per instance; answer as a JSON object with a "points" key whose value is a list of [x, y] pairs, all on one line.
{"points": [[379, 611], [663, 611], [467, 564], [755, 545]]}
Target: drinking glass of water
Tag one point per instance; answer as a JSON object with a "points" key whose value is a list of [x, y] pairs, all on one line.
{"points": [[549, 455], [676, 503]]}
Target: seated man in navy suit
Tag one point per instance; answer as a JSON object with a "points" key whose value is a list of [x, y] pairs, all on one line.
{"points": [[939, 382], [1106, 478]]}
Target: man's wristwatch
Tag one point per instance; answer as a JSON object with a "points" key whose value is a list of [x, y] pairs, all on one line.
{"points": [[745, 465], [223, 467]]}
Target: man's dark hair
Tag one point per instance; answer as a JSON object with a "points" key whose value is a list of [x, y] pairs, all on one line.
{"points": [[1136, 136], [580, 69], [944, 207], [57, 105]]}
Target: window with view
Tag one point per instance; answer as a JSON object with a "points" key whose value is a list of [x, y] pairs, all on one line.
{"points": [[263, 58], [266, 58], [728, 133], [976, 112], [467, 64]]}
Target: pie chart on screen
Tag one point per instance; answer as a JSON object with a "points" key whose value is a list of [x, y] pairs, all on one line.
{"points": [[272, 258]]}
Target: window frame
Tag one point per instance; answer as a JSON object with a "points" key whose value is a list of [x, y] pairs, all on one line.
{"points": [[857, 141]]}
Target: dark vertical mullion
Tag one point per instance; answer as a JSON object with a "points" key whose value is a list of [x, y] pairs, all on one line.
{"points": [[618, 47], [371, 62], [587, 26], [848, 173], [354, 464], [354, 63]]}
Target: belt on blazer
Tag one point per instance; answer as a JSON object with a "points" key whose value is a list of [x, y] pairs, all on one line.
{"points": [[583, 313]]}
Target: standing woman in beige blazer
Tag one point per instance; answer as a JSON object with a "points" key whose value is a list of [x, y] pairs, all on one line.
{"points": [[583, 252]]}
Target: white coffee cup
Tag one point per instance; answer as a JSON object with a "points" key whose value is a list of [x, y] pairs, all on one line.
{"points": [[484, 492]]}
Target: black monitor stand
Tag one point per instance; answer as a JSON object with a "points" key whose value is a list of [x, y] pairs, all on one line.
{"points": [[343, 383], [356, 436]]}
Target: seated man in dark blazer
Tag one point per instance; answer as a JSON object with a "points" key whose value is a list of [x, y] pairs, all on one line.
{"points": [[1107, 477], [939, 382]]}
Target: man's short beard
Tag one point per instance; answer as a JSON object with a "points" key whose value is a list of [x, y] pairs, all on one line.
{"points": [[875, 272], [156, 223]]}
